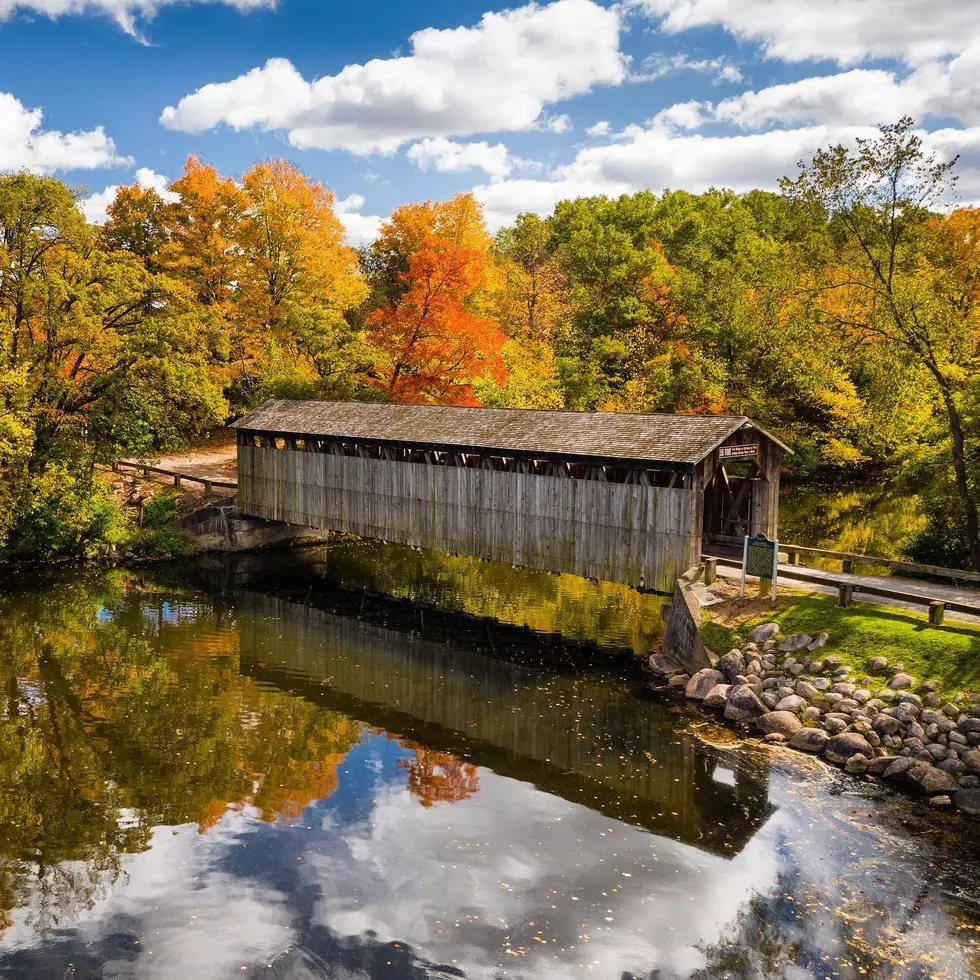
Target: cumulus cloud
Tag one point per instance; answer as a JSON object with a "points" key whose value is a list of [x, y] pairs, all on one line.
{"points": [[95, 206], [126, 13], [362, 229], [497, 76], [447, 156], [657, 65], [601, 128], [24, 145], [845, 31]]}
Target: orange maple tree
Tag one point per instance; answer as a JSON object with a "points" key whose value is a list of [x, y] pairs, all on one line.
{"points": [[433, 347], [438, 777]]}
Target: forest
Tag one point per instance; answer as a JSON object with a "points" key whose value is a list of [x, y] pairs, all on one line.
{"points": [[841, 313]]}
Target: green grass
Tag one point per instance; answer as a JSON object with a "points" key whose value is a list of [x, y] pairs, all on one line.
{"points": [[949, 654]]}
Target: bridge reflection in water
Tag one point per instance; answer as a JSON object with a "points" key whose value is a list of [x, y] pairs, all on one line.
{"points": [[577, 724]]}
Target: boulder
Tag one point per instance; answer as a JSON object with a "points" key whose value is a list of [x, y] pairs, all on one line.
{"points": [[820, 640], [763, 632], [969, 725], [811, 714], [968, 800], [843, 688], [717, 696], [678, 681], [732, 665], [744, 705], [971, 760], [702, 682], [878, 665], [930, 781], [856, 765], [806, 690], [809, 739], [783, 722], [841, 747], [798, 641], [834, 725], [774, 738], [792, 702], [877, 766], [769, 699], [899, 768], [901, 682]]}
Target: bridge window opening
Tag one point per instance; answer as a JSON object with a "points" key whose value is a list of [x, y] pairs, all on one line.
{"points": [[279, 442]]}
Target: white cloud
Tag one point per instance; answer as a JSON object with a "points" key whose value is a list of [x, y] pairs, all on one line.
{"points": [[24, 145], [362, 229], [845, 31], [447, 156], [496, 76], [658, 157], [558, 124], [657, 65], [601, 128], [94, 206], [126, 13]]}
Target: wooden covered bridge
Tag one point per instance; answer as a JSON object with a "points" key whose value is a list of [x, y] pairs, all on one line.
{"points": [[608, 495]]}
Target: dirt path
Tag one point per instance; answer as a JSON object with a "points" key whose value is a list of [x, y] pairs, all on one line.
{"points": [[215, 461]]}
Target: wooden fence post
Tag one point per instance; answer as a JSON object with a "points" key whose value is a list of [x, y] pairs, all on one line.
{"points": [[844, 593], [710, 571], [176, 479], [937, 610], [848, 566], [792, 557], [207, 489]]}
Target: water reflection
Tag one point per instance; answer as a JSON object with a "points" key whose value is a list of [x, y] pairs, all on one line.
{"points": [[201, 779]]}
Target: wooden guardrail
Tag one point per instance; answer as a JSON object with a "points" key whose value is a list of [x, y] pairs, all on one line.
{"points": [[849, 560], [178, 478], [848, 590]]}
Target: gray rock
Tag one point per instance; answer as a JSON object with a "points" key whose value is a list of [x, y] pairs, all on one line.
{"points": [[795, 669], [873, 738], [784, 691], [862, 696], [940, 801], [856, 765], [754, 668], [769, 699], [969, 782], [717, 696], [878, 665], [741, 679], [769, 682], [885, 694], [929, 687], [877, 766], [731, 665], [834, 726], [792, 702], [968, 800], [820, 640], [833, 661], [775, 738], [809, 739], [763, 632], [907, 697], [958, 738], [820, 683], [831, 698], [806, 690], [915, 730], [900, 682], [812, 714], [969, 726], [841, 747], [848, 704], [899, 768], [783, 722], [913, 744], [954, 767], [743, 705], [930, 781], [702, 682], [846, 689], [679, 681], [798, 641], [896, 668], [971, 760], [938, 752]]}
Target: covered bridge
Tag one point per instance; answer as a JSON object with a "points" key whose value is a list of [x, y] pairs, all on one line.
{"points": [[608, 495]]}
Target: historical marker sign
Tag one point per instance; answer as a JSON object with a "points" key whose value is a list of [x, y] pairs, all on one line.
{"points": [[760, 557]]}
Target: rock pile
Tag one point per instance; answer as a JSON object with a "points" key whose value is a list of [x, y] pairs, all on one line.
{"points": [[875, 726]]}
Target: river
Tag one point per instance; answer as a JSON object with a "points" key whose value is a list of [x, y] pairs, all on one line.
{"points": [[369, 762]]}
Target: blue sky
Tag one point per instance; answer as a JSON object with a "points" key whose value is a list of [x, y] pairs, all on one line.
{"points": [[387, 102]]}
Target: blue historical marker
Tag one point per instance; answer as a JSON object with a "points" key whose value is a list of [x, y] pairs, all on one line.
{"points": [[760, 557]]}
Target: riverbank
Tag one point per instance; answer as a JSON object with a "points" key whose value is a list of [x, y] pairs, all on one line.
{"points": [[842, 694]]}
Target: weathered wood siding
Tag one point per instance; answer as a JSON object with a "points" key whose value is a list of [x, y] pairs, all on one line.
{"points": [[642, 536]]}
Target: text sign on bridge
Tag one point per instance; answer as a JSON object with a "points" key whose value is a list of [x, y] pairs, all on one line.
{"points": [[760, 557]]}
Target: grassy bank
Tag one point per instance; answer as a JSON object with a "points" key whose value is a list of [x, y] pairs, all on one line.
{"points": [[949, 654]]}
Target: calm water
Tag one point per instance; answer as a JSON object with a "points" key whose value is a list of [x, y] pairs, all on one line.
{"points": [[266, 769]]}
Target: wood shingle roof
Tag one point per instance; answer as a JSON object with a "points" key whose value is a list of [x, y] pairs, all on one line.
{"points": [[603, 435]]}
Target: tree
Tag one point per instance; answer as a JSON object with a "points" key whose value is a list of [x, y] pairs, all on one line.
{"points": [[434, 349], [901, 276], [300, 279]]}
